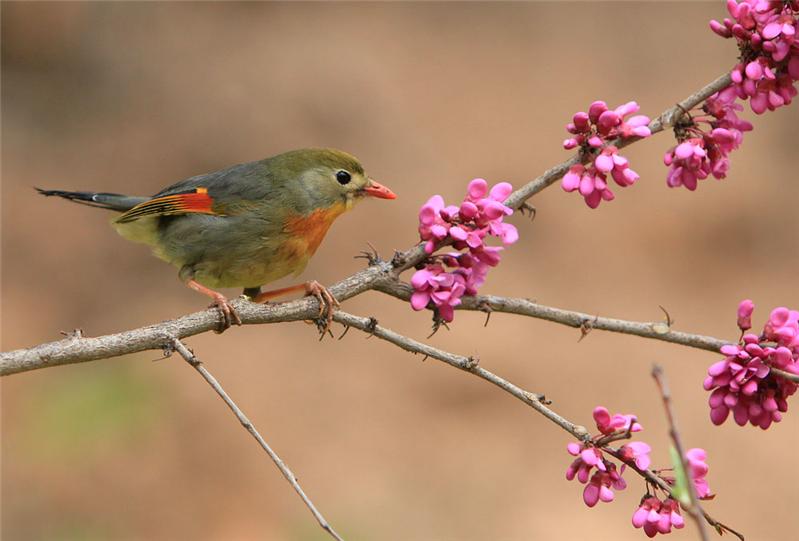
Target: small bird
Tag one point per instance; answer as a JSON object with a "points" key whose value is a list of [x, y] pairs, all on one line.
{"points": [[246, 225]]}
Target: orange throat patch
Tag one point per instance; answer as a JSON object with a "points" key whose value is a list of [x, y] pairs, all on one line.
{"points": [[311, 228]]}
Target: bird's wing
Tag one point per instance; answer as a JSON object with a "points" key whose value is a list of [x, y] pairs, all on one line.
{"points": [[196, 200], [222, 193]]}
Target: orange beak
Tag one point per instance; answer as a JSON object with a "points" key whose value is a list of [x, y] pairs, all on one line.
{"points": [[375, 189]]}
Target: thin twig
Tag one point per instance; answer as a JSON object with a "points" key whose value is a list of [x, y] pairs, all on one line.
{"points": [[694, 509], [245, 422], [467, 364], [535, 401]]}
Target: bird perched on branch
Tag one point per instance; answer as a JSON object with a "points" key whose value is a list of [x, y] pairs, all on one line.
{"points": [[246, 225]]}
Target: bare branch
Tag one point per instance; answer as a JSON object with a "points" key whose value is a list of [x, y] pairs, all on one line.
{"points": [[247, 424], [467, 364], [76, 349], [525, 307]]}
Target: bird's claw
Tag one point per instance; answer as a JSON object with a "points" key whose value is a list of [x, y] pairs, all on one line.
{"points": [[327, 304], [227, 311]]}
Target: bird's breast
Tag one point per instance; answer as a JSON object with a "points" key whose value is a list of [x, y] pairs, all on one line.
{"points": [[304, 233]]}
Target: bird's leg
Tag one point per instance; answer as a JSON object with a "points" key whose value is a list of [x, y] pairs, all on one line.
{"points": [[327, 302], [229, 315]]}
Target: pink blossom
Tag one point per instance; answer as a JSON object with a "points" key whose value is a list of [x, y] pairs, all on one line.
{"points": [[766, 35], [745, 310], [688, 163], [656, 516], [443, 288], [599, 487], [591, 184], [591, 468], [592, 133], [608, 424], [466, 227], [638, 452], [698, 470], [743, 382]]}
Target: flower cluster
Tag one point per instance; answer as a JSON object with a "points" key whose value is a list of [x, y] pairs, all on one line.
{"points": [[766, 76], [445, 279], [606, 477], [601, 476], [658, 516], [766, 32], [706, 141], [592, 131], [744, 382]]}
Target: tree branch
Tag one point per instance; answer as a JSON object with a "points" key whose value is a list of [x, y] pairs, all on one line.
{"points": [[570, 318], [536, 401], [78, 349], [467, 364], [190, 358]]}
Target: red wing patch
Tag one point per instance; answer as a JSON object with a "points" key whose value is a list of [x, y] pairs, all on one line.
{"points": [[196, 201]]}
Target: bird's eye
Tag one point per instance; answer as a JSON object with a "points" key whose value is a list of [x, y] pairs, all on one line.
{"points": [[343, 177]]}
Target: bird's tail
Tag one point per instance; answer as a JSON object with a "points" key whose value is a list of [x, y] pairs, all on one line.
{"points": [[111, 201]]}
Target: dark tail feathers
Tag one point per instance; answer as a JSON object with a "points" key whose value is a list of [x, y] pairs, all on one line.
{"points": [[111, 201]]}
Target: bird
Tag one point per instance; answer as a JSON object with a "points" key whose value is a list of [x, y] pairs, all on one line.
{"points": [[246, 225]]}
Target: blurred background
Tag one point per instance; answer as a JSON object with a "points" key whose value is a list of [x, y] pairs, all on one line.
{"points": [[129, 97]]}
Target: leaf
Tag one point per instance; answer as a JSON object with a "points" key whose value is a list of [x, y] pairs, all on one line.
{"points": [[681, 481]]}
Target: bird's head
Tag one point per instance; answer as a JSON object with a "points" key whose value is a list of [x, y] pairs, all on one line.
{"points": [[332, 177]]}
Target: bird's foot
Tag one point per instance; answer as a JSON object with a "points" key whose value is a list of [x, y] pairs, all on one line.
{"points": [[327, 304], [226, 311]]}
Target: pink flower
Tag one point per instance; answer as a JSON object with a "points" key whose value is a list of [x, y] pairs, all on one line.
{"points": [[656, 516], [687, 163], [444, 281], [608, 424], [766, 35], [591, 468], [587, 458], [745, 310], [432, 226], [638, 452], [599, 488], [592, 133], [443, 288], [783, 327], [743, 382], [698, 470], [704, 151]]}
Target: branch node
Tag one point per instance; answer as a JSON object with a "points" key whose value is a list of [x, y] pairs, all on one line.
{"points": [[485, 307], [74, 334], [371, 327], [398, 259], [371, 256], [472, 362], [586, 326], [581, 432]]}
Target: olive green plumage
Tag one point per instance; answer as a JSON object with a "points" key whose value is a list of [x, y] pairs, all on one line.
{"points": [[248, 224]]}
